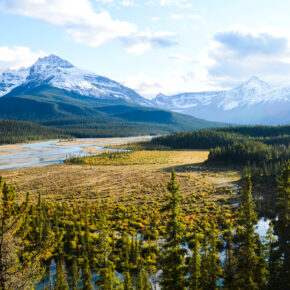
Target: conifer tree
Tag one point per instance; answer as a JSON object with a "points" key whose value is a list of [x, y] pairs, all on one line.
{"points": [[60, 282], [215, 270], [105, 266], [128, 281], [273, 258], [143, 280], [86, 275], [282, 226], [247, 260], [194, 266], [229, 264], [173, 261], [210, 264], [75, 275], [14, 229]]}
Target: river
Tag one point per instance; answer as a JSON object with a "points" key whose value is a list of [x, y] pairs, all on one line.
{"points": [[55, 151]]}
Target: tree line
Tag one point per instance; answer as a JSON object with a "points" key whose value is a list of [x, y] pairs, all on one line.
{"points": [[261, 149], [12, 132]]}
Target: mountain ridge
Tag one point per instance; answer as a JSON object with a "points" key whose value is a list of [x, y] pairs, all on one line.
{"points": [[57, 72], [237, 105]]}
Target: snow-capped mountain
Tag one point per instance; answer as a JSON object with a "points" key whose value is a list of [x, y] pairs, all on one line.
{"points": [[10, 79], [58, 73], [253, 102]]}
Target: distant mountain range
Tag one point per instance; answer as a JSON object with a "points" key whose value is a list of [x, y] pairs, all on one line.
{"points": [[56, 93], [254, 102], [53, 89]]}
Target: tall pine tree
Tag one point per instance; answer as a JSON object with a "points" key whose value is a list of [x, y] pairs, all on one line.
{"points": [[173, 262]]}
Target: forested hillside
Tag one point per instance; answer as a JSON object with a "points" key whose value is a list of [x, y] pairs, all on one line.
{"points": [[261, 149], [12, 132]]}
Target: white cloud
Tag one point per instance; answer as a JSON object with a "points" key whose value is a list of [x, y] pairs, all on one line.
{"points": [[82, 23], [155, 19], [127, 3], [169, 84], [181, 58], [177, 3], [119, 2], [236, 54], [141, 42], [18, 57], [186, 16]]}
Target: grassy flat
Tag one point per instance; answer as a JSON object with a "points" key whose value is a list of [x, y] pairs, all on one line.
{"points": [[140, 178]]}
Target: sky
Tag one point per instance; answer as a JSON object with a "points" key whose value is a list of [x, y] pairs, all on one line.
{"points": [[153, 46]]}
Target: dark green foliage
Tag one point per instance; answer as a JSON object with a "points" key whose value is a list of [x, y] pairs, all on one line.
{"points": [[12, 132], [262, 149], [250, 273], [173, 262], [282, 226]]}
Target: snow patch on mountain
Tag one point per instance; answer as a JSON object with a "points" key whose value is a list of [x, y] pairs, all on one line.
{"points": [[250, 102], [56, 72], [10, 79]]}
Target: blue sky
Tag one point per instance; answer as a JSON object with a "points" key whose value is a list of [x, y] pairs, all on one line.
{"points": [[153, 46]]}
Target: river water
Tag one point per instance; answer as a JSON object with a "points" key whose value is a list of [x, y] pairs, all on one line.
{"points": [[54, 151]]}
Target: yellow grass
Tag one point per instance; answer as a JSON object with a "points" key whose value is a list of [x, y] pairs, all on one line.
{"points": [[141, 180]]}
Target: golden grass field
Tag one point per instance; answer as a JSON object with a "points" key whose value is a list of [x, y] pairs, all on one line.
{"points": [[139, 179]]}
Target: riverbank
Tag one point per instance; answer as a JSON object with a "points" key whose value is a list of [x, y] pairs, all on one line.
{"points": [[52, 152]]}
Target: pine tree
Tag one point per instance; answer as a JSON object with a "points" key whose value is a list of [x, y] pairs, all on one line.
{"points": [[273, 258], [210, 264], [14, 229], [86, 275], [261, 267], [229, 265], [143, 280], [60, 282], [75, 275], [282, 226], [107, 277], [105, 266], [247, 260], [194, 266], [173, 261], [215, 266], [128, 281]]}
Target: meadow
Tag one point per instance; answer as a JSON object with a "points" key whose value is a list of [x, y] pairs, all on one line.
{"points": [[136, 178]]}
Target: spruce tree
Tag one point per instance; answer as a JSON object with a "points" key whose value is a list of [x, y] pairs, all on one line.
{"points": [[60, 282], [19, 267], [75, 275], [272, 258], [173, 262], [247, 259], [282, 226], [86, 275], [194, 266], [229, 264]]}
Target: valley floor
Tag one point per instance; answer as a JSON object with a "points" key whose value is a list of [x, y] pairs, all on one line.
{"points": [[139, 180]]}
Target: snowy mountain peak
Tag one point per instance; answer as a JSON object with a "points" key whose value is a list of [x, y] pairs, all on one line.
{"points": [[10, 79], [160, 96], [53, 60], [56, 72], [254, 102], [254, 83], [49, 65]]}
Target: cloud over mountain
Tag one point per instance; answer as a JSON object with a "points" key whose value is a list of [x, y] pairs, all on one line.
{"points": [[236, 52], [83, 24]]}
